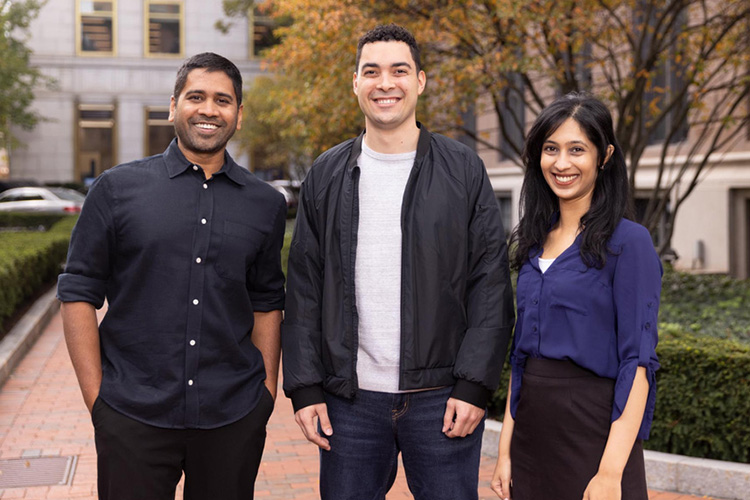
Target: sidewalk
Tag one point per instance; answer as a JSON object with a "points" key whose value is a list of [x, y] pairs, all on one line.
{"points": [[42, 415]]}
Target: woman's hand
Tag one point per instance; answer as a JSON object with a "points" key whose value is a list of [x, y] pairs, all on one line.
{"points": [[604, 487], [501, 478]]}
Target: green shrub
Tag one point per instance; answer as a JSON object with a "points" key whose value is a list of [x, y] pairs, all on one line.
{"points": [[287, 243], [703, 397], [707, 304], [28, 220], [28, 260]]}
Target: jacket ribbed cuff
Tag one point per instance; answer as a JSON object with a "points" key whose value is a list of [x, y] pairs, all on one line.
{"points": [[472, 393], [307, 396]]}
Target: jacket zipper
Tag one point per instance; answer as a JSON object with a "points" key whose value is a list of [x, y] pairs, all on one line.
{"points": [[353, 256], [404, 267]]}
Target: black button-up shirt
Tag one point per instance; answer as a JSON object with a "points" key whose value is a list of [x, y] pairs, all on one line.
{"points": [[183, 263]]}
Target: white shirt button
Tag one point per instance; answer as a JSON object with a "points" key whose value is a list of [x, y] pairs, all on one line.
{"points": [[203, 221], [195, 167], [190, 382], [192, 342], [205, 186], [196, 302], [198, 260]]}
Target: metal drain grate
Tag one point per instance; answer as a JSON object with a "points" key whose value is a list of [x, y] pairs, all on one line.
{"points": [[42, 471]]}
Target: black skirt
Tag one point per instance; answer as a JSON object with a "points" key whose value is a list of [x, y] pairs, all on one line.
{"points": [[560, 431]]}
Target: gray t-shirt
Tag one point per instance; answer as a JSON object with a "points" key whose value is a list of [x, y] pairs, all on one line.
{"points": [[377, 271]]}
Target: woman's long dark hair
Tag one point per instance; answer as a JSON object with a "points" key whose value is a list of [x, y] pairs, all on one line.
{"points": [[539, 204]]}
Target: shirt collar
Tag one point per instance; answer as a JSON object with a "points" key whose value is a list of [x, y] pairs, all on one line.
{"points": [[177, 163]]}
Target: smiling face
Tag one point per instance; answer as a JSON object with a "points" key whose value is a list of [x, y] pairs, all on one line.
{"points": [[569, 163], [205, 114], [387, 85]]}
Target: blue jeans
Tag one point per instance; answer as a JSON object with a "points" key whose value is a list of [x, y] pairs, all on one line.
{"points": [[370, 431]]}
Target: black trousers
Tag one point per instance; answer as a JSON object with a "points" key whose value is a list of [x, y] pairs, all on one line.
{"points": [[139, 461]]}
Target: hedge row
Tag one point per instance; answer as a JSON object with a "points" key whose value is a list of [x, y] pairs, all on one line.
{"points": [[707, 304], [27, 261], [703, 396], [28, 220]]}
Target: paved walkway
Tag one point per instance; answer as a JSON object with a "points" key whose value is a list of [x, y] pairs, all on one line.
{"points": [[42, 414]]}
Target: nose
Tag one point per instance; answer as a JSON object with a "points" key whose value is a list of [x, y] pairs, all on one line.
{"points": [[386, 83], [563, 161], [208, 108]]}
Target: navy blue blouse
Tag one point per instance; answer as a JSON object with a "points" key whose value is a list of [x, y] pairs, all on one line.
{"points": [[604, 320]]}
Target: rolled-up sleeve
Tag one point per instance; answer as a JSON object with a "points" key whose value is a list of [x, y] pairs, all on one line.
{"points": [[637, 290], [92, 243], [265, 281]]}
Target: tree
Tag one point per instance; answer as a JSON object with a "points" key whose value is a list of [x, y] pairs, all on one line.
{"points": [[18, 78], [669, 70], [271, 140]]}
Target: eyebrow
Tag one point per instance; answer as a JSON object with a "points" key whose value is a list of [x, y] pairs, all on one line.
{"points": [[394, 65], [548, 141], [203, 92]]}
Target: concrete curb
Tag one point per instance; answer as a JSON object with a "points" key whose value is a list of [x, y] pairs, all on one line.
{"points": [[666, 472], [22, 336]]}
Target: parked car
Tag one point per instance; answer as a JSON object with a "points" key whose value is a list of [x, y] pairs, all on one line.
{"points": [[52, 200], [289, 189]]}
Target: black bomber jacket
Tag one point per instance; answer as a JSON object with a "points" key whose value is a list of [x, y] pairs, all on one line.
{"points": [[456, 297]]}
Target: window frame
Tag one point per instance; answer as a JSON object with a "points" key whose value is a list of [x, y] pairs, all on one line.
{"points": [[147, 22], [79, 26], [84, 123], [149, 122]]}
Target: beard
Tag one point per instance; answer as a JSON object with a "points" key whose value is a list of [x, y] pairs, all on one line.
{"points": [[190, 138]]}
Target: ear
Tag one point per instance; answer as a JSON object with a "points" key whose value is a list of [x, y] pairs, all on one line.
{"points": [[354, 83], [239, 117], [610, 151], [422, 79], [172, 104]]}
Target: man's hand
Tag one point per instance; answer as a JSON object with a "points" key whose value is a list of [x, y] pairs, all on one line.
{"points": [[81, 329], [461, 418], [307, 418]]}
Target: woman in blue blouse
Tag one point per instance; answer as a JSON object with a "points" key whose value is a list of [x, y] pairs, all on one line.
{"points": [[582, 390]]}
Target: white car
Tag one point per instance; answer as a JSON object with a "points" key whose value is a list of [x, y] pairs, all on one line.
{"points": [[53, 200]]}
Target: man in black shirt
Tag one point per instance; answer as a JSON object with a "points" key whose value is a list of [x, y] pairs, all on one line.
{"points": [[185, 247]]}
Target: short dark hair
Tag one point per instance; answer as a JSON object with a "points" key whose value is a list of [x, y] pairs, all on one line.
{"points": [[389, 33], [611, 198], [210, 62]]}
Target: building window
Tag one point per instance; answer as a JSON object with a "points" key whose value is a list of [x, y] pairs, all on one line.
{"points": [[164, 28], [469, 120], [667, 84], [505, 202], [159, 130], [512, 119], [96, 27], [95, 144], [263, 24]]}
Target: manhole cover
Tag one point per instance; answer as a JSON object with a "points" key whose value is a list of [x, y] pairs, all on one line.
{"points": [[42, 471]]}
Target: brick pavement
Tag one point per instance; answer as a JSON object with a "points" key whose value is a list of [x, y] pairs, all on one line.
{"points": [[42, 414]]}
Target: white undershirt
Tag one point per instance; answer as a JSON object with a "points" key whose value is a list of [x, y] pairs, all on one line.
{"points": [[544, 264], [377, 269]]}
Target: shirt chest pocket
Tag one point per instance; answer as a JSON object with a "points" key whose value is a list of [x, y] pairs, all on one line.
{"points": [[237, 250]]}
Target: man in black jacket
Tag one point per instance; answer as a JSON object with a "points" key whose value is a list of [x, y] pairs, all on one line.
{"points": [[399, 305]]}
